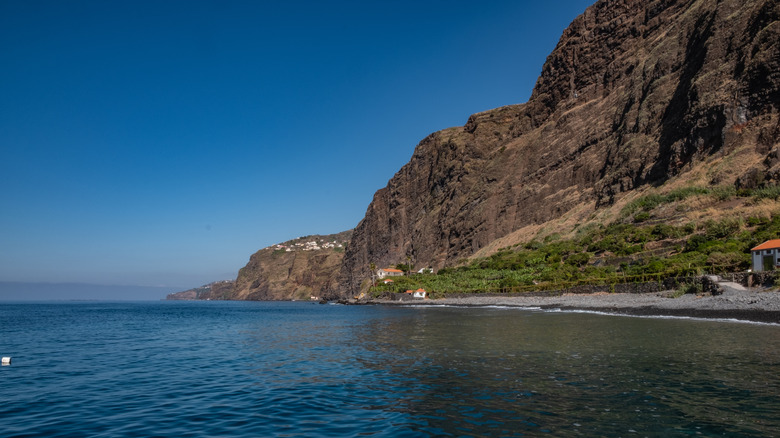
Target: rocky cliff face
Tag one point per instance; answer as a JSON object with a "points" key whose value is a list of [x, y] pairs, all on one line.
{"points": [[297, 269], [635, 93], [294, 270]]}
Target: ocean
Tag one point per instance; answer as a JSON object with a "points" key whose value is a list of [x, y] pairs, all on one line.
{"points": [[282, 369]]}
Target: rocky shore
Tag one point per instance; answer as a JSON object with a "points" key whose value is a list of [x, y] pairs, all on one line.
{"points": [[736, 302]]}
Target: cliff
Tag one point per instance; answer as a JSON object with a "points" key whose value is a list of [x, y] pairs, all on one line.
{"points": [[296, 269], [636, 94], [218, 290]]}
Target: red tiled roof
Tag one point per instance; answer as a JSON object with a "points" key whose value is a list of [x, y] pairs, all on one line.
{"points": [[392, 270], [421, 290], [769, 244]]}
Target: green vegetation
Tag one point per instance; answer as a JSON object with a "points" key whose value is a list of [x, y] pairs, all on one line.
{"points": [[404, 267], [769, 192], [687, 288], [651, 201], [631, 250], [640, 208]]}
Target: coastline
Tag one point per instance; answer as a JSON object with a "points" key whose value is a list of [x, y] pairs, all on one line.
{"points": [[736, 302]]}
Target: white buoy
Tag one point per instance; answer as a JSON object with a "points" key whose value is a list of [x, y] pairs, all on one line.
{"points": [[6, 361]]}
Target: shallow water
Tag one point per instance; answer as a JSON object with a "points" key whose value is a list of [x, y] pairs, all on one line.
{"points": [[302, 369]]}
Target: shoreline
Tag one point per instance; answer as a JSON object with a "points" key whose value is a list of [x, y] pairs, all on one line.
{"points": [[735, 303]]}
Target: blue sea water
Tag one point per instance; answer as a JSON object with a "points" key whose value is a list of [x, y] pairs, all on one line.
{"points": [[270, 369]]}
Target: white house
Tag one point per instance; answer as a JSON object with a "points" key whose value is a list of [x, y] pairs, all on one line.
{"points": [[419, 293], [766, 256], [389, 272]]}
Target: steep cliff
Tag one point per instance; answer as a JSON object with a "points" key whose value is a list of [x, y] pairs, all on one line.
{"points": [[635, 94], [297, 269]]}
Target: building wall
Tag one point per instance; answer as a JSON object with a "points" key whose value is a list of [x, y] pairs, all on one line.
{"points": [[758, 259]]}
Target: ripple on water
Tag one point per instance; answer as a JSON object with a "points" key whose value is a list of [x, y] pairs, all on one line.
{"points": [[292, 369]]}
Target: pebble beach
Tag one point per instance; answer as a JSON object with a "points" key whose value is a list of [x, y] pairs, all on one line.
{"points": [[736, 302]]}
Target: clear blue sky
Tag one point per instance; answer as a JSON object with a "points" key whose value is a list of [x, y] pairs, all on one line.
{"points": [[163, 142]]}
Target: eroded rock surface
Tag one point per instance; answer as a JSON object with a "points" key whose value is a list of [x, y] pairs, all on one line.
{"points": [[636, 92]]}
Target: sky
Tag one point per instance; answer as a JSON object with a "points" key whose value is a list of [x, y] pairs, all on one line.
{"points": [[161, 143]]}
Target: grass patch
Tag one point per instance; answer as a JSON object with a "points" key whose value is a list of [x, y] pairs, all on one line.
{"points": [[768, 192], [641, 206], [649, 202], [687, 288]]}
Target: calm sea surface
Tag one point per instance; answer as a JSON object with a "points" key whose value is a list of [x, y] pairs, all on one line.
{"points": [[178, 369]]}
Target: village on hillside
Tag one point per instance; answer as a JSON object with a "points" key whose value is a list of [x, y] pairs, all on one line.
{"points": [[311, 245]]}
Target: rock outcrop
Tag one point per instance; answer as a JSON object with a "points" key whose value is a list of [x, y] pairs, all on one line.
{"points": [[635, 93], [218, 290], [298, 269], [295, 270]]}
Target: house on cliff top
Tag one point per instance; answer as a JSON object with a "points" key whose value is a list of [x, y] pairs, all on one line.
{"points": [[765, 256]]}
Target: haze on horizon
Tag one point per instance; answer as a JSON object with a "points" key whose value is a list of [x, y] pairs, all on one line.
{"points": [[162, 143]]}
